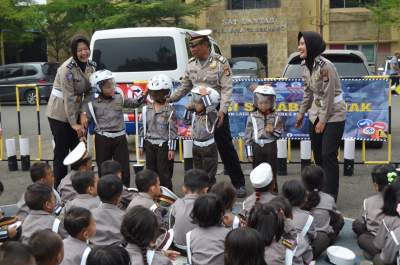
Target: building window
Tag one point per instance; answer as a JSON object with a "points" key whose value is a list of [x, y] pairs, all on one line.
{"points": [[369, 50], [350, 3], [252, 4]]}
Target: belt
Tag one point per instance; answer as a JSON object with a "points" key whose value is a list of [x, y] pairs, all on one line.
{"points": [[158, 142], [204, 143], [180, 246], [112, 134], [57, 93], [262, 142]]}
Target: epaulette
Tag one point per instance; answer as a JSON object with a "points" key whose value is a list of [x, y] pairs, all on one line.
{"points": [[221, 58], [192, 59], [321, 62], [71, 64], [92, 63]]}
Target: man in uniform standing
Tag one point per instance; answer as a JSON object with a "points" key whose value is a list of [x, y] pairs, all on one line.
{"points": [[213, 70]]}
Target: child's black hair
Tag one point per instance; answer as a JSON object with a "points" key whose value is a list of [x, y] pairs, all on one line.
{"points": [[36, 195], [313, 179], [196, 180], [38, 170], [208, 210], [46, 245], [109, 188], [244, 246], [282, 204], [268, 221], [109, 255], [15, 253], [294, 191], [83, 180], [140, 227], [391, 197], [75, 166], [110, 167], [77, 219], [1, 187], [226, 191], [379, 175], [145, 179]]}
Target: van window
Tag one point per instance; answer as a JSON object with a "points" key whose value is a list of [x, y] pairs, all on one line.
{"points": [[30, 70], [135, 54]]}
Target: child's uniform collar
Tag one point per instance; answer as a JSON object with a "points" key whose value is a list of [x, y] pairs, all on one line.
{"points": [[106, 205], [191, 196], [39, 212], [145, 195], [85, 196], [163, 108], [260, 114]]}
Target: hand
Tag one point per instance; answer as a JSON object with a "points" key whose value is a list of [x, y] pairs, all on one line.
{"points": [[84, 120], [228, 219], [299, 120], [203, 91], [171, 155], [319, 128], [12, 232], [190, 107], [243, 222], [250, 158], [221, 115], [80, 130], [269, 128], [171, 254], [141, 152]]}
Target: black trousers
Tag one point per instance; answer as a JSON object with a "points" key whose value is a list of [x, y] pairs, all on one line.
{"points": [[65, 140], [157, 160], [116, 149], [266, 153], [227, 152], [325, 147], [206, 158]]}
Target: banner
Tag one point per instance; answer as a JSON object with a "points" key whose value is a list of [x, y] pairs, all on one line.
{"points": [[367, 104]]}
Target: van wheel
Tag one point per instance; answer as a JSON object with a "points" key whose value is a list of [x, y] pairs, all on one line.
{"points": [[30, 97]]}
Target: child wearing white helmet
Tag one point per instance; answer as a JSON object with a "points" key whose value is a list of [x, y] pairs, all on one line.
{"points": [[159, 133], [263, 127], [202, 115], [106, 112]]}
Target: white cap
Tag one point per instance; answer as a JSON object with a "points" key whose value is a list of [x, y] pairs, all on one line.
{"points": [[340, 255], [167, 196], [79, 152], [261, 176], [212, 93], [265, 90]]}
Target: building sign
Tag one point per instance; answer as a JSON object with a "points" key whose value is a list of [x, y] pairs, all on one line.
{"points": [[241, 25]]}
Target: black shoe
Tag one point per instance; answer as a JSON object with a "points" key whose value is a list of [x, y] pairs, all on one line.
{"points": [[241, 192]]}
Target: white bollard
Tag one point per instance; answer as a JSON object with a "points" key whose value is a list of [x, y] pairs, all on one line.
{"points": [[282, 157], [25, 155], [187, 154], [349, 153], [305, 153], [11, 154]]}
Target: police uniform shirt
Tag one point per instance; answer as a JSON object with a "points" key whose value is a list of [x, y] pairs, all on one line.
{"points": [[207, 245], [142, 199], [137, 257], [372, 212], [65, 188], [320, 90], [86, 201], [126, 197], [321, 213], [276, 252], [108, 223], [73, 251], [109, 112], [389, 223], [203, 125], [390, 251], [35, 221], [214, 73], [181, 210], [74, 85], [250, 201]]}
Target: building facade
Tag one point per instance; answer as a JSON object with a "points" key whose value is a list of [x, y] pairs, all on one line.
{"points": [[268, 29]]}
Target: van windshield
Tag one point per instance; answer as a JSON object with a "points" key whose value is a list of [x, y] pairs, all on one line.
{"points": [[137, 54]]}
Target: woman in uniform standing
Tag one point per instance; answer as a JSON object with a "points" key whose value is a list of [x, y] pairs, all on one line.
{"points": [[71, 87], [323, 99]]}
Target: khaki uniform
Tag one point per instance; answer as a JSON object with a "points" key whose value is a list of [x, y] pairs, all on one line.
{"points": [[180, 211], [142, 199], [137, 257], [67, 192], [73, 251], [39, 220], [250, 201], [126, 197], [108, 223], [207, 245], [159, 135], [389, 223], [277, 251], [83, 200], [390, 251]]}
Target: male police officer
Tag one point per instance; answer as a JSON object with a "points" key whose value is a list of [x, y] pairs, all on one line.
{"points": [[212, 70]]}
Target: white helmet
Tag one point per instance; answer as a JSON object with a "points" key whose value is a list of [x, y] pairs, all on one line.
{"points": [[264, 93], [99, 76], [265, 90], [160, 82], [212, 93]]}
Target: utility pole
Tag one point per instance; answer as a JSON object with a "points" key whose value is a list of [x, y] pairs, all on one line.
{"points": [[2, 59], [321, 23]]}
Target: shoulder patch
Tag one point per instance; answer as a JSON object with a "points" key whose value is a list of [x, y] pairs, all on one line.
{"points": [[70, 65], [221, 58], [321, 62], [192, 59], [93, 63]]}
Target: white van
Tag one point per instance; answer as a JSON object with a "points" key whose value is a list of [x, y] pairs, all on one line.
{"points": [[137, 54]]}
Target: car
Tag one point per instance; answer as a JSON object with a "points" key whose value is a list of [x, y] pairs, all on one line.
{"points": [[40, 73], [385, 70], [348, 63], [247, 67]]}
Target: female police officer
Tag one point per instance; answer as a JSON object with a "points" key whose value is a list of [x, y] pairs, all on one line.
{"points": [[323, 99], [71, 87]]}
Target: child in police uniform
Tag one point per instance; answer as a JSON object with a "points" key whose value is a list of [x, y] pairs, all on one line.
{"points": [[108, 216], [148, 185], [81, 226], [159, 131], [106, 112], [47, 247], [203, 116], [263, 127]]}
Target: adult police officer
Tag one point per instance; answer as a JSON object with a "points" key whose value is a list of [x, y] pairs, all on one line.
{"points": [[71, 87], [213, 70], [323, 99]]}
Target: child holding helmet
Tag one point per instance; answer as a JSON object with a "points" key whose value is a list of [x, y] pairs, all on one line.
{"points": [[106, 112], [159, 133], [263, 127], [203, 119]]}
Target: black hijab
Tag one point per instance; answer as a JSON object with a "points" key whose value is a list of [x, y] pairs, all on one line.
{"points": [[315, 46]]}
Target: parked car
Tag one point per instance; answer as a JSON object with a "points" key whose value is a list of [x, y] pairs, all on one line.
{"points": [[385, 70], [247, 67], [40, 73]]}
